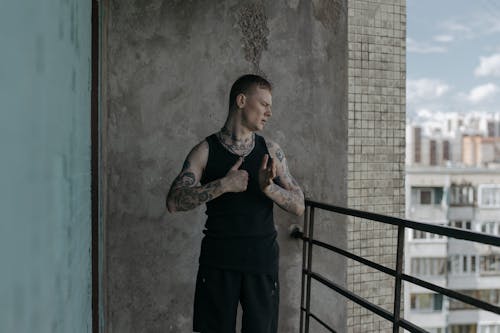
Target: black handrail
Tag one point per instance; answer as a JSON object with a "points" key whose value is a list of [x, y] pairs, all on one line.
{"points": [[307, 274]]}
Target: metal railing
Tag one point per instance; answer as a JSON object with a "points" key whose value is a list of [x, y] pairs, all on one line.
{"points": [[307, 235]]}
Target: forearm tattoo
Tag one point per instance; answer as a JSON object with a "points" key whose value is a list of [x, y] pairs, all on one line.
{"points": [[286, 191], [289, 200], [187, 198], [185, 179], [186, 195]]}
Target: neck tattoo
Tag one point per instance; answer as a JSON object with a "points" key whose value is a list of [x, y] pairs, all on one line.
{"points": [[241, 148]]}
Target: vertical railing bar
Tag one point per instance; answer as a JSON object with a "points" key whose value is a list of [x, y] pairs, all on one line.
{"points": [[304, 261], [309, 267], [397, 284]]}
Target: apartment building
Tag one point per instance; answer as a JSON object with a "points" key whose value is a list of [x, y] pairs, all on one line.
{"points": [[467, 198], [454, 140], [478, 150]]}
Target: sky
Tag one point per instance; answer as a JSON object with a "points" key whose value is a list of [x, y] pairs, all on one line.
{"points": [[453, 56]]}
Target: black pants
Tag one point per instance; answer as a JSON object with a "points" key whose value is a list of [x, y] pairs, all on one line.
{"points": [[218, 292]]}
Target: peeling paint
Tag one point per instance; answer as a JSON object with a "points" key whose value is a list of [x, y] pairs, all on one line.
{"points": [[253, 24], [329, 12]]}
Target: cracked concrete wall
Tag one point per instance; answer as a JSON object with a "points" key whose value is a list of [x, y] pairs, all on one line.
{"points": [[167, 70]]}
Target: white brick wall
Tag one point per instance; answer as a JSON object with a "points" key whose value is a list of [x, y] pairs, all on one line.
{"points": [[376, 149]]}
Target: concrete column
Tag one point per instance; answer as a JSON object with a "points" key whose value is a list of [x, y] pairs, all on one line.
{"points": [[376, 149]]}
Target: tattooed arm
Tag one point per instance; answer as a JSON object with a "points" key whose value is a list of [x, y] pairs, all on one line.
{"points": [[277, 182], [186, 193]]}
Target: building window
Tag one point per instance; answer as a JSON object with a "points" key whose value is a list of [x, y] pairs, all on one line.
{"points": [[489, 196], [428, 266], [433, 152], [486, 295], [495, 328], [458, 305], [425, 197], [490, 264], [446, 150], [417, 137], [490, 227], [454, 265], [461, 194], [462, 264], [463, 328], [438, 195], [461, 224], [418, 235], [490, 295], [491, 128], [426, 302], [435, 329]]}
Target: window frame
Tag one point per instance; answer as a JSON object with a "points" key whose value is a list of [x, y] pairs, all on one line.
{"points": [[495, 196]]}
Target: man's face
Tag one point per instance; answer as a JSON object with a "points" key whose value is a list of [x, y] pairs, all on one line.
{"points": [[257, 109]]}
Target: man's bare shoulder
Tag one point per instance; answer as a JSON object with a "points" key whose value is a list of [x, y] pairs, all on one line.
{"points": [[201, 147], [275, 150], [198, 156], [200, 150]]}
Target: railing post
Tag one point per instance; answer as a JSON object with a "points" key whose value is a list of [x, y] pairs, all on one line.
{"points": [[397, 284], [304, 262], [310, 236]]}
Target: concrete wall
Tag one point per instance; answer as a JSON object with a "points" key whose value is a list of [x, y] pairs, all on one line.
{"points": [[376, 141], [167, 70], [45, 228]]}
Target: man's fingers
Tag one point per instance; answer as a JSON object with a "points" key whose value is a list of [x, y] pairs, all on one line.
{"points": [[237, 164], [263, 165], [273, 167]]}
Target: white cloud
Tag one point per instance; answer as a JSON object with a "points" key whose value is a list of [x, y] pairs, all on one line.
{"points": [[473, 26], [425, 89], [457, 29], [423, 47], [451, 25], [424, 113], [488, 66], [482, 92], [444, 38]]}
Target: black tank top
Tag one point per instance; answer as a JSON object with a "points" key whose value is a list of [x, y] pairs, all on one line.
{"points": [[239, 231]]}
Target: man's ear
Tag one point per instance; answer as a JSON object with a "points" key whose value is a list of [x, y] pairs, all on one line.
{"points": [[241, 100]]}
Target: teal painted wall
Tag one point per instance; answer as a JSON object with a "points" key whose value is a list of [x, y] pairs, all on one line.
{"points": [[45, 202]]}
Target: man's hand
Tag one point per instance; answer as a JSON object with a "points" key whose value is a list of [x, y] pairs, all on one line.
{"points": [[278, 184], [185, 192], [266, 173], [236, 180]]}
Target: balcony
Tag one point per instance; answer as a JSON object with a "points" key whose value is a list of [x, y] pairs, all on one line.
{"points": [[310, 243]]}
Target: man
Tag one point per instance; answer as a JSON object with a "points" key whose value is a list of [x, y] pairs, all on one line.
{"points": [[238, 175]]}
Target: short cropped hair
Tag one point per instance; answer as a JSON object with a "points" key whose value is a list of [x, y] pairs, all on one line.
{"points": [[244, 84]]}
